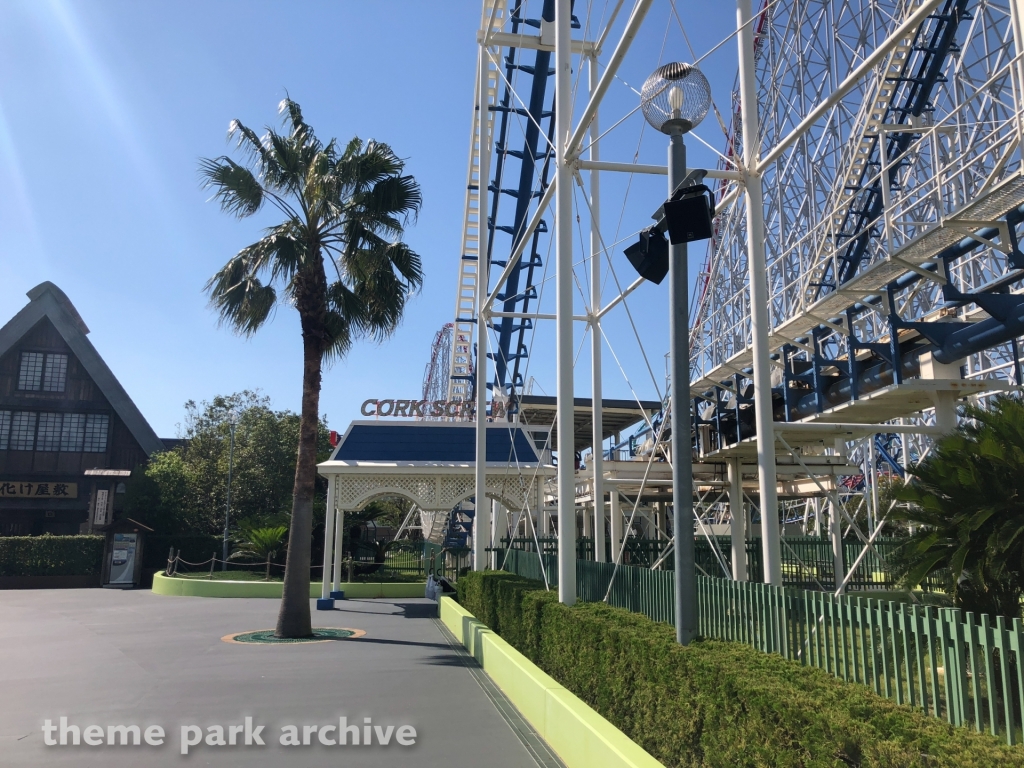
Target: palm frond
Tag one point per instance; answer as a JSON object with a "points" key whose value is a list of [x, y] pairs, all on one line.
{"points": [[241, 300], [234, 186], [254, 149]]}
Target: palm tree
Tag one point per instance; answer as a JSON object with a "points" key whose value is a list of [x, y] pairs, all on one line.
{"points": [[261, 543], [967, 505], [337, 258]]}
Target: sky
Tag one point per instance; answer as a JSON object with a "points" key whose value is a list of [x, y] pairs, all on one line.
{"points": [[107, 106]]}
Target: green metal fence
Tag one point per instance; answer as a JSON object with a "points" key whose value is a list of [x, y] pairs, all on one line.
{"points": [[965, 668], [807, 561], [447, 562]]}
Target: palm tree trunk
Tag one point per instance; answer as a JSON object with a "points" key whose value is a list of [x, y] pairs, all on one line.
{"points": [[293, 619]]}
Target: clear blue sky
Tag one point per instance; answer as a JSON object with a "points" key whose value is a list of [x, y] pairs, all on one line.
{"points": [[107, 105]]}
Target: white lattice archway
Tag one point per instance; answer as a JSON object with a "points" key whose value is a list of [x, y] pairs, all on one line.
{"points": [[433, 487], [430, 492]]}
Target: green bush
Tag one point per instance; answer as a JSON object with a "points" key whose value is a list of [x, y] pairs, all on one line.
{"points": [[714, 703], [51, 555]]}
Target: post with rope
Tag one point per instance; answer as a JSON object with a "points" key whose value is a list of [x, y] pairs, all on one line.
{"points": [[564, 307]]}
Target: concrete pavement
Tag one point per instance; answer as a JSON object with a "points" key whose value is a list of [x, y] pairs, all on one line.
{"points": [[108, 658]]}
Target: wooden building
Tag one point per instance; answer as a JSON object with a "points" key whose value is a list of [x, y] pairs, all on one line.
{"points": [[69, 434]]}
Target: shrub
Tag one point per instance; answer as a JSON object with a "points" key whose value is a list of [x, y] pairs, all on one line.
{"points": [[51, 555], [714, 703]]}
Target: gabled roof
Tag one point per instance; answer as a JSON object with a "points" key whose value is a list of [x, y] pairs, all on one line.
{"points": [[48, 301], [426, 442]]}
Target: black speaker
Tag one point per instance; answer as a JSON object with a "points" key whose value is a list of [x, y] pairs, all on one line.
{"points": [[649, 256], [689, 214]]}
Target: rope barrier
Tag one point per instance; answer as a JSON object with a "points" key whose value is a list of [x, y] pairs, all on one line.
{"points": [[403, 560]]}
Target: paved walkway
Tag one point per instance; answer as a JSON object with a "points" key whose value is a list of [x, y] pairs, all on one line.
{"points": [[105, 657]]}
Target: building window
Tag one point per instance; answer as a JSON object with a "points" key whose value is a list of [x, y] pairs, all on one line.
{"points": [[96, 426], [5, 429], [23, 431], [48, 437], [46, 372], [55, 373], [30, 376], [72, 432]]}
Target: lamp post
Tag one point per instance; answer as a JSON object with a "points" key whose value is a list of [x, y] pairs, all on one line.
{"points": [[231, 419], [674, 99]]}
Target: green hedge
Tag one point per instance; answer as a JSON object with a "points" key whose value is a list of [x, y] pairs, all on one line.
{"points": [[51, 555], [715, 703]]}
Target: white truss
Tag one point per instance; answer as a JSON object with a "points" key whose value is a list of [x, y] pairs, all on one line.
{"points": [[961, 172]]}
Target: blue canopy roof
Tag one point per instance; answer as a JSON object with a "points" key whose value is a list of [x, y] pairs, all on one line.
{"points": [[429, 442]]}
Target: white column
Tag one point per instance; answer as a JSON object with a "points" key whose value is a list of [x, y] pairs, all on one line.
{"points": [[563, 307], [545, 519], [616, 523], [836, 529], [500, 527], [738, 528], [945, 410], [483, 261], [873, 476], [597, 386], [759, 322], [339, 542], [325, 591]]}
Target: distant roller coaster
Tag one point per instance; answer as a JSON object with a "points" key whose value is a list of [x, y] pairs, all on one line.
{"points": [[435, 375]]}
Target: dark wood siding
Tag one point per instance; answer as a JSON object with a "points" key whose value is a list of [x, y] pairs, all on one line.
{"points": [[80, 395]]}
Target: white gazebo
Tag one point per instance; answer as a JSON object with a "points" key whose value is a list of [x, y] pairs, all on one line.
{"points": [[433, 465]]}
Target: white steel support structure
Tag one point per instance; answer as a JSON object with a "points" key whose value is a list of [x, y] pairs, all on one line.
{"points": [[875, 514], [836, 532], [563, 307], [615, 522], [474, 238], [500, 529], [595, 323], [759, 322], [481, 521], [811, 76], [738, 526]]}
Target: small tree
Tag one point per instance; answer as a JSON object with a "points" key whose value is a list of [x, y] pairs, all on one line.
{"points": [[260, 543], [967, 506]]}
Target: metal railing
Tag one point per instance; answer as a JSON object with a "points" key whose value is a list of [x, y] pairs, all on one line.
{"points": [[446, 562], [963, 667], [807, 561]]}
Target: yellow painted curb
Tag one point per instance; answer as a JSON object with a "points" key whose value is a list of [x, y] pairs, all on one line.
{"points": [[580, 736], [168, 585]]}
